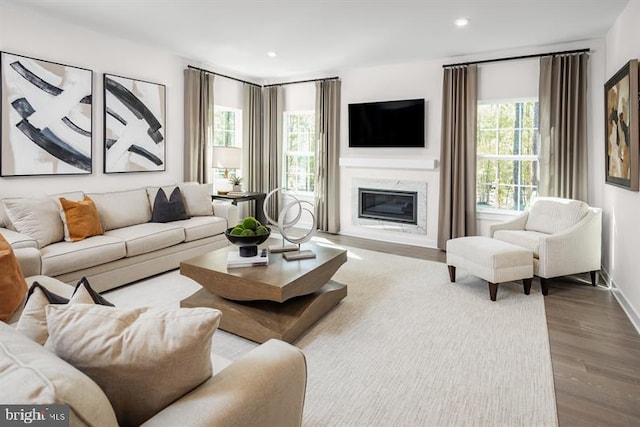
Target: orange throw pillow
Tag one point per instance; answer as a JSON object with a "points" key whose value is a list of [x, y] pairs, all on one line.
{"points": [[13, 287], [82, 219]]}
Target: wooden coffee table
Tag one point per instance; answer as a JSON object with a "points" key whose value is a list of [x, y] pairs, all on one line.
{"points": [[280, 300]]}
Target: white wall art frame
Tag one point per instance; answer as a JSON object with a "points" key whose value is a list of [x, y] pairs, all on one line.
{"points": [[46, 124], [134, 125]]}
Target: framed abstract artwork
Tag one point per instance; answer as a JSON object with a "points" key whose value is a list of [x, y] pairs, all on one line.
{"points": [[621, 127], [134, 125], [46, 121]]}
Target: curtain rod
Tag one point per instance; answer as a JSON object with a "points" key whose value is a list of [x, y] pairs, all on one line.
{"points": [[303, 81], [223, 75], [511, 58]]}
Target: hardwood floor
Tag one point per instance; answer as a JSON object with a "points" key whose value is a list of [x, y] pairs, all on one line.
{"points": [[595, 350]]}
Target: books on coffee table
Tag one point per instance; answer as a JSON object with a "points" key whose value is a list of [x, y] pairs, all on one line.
{"points": [[234, 260]]}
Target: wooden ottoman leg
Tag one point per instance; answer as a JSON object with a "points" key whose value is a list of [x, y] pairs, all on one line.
{"points": [[452, 273], [527, 285], [544, 286], [493, 290]]}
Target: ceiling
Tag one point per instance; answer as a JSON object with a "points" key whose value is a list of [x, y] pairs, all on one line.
{"points": [[323, 37]]}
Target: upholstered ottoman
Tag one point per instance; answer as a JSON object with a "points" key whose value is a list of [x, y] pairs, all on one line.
{"points": [[492, 260]]}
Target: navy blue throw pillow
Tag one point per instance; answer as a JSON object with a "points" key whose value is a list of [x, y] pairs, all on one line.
{"points": [[168, 210]]}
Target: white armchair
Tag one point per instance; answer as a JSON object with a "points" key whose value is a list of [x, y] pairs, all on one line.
{"points": [[563, 234]]}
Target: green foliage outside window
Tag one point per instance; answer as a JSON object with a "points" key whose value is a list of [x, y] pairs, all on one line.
{"points": [[224, 128], [300, 151], [507, 154]]}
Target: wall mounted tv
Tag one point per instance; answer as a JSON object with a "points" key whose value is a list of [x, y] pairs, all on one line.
{"points": [[387, 124]]}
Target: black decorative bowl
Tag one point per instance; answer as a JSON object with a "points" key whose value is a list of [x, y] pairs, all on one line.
{"points": [[248, 244]]}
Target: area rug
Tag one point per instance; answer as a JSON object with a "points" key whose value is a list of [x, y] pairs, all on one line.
{"points": [[408, 348]]}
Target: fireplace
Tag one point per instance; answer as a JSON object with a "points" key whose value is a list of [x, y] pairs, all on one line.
{"points": [[388, 205]]}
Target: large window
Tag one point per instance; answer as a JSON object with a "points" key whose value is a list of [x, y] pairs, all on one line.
{"points": [[507, 154], [299, 151], [227, 132]]}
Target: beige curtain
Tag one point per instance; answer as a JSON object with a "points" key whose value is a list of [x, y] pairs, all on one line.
{"points": [[327, 185], [272, 152], [563, 126], [252, 143], [198, 123], [457, 214]]}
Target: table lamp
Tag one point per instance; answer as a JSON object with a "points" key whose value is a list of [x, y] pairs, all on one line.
{"points": [[227, 158]]}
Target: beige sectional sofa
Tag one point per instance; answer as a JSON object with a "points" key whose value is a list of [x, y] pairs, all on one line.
{"points": [[264, 387], [131, 248]]}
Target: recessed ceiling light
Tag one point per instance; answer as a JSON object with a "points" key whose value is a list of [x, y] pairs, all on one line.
{"points": [[461, 22], [272, 54]]}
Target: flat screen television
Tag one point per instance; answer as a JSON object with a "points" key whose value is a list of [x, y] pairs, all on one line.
{"points": [[387, 124]]}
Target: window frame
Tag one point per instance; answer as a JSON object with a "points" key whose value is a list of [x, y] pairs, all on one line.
{"points": [[237, 138], [491, 210]]}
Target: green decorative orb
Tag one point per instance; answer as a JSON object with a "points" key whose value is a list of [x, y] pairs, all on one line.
{"points": [[250, 223]]}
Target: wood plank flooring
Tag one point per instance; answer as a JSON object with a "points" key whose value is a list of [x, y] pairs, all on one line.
{"points": [[595, 350]]}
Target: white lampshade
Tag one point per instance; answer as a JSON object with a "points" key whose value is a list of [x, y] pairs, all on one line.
{"points": [[227, 157]]}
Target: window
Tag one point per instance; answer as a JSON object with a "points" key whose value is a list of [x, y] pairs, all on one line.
{"points": [[227, 132], [507, 154], [299, 151], [226, 129]]}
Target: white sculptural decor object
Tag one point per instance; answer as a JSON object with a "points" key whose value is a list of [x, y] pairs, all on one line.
{"points": [[283, 224]]}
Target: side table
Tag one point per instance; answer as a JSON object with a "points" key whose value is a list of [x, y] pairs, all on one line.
{"points": [[258, 199]]}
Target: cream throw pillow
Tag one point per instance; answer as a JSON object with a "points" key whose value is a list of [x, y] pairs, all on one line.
{"points": [[37, 218], [33, 320], [143, 359], [197, 199]]}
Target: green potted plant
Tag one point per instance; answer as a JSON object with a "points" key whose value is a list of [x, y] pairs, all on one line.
{"points": [[236, 181]]}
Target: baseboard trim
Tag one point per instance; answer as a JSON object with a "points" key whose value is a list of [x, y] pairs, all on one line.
{"points": [[633, 316]]}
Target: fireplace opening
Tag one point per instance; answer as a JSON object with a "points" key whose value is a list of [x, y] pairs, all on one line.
{"points": [[387, 205]]}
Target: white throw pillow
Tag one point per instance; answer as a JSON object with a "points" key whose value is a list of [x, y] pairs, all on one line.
{"points": [[38, 218], [143, 359], [5, 222], [33, 320], [197, 199], [31, 375]]}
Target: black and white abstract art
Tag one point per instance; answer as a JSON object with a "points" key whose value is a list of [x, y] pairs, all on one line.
{"points": [[134, 125], [46, 117]]}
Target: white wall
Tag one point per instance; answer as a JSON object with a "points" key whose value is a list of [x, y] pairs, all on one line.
{"points": [[497, 80], [388, 83], [621, 207], [28, 33], [227, 92]]}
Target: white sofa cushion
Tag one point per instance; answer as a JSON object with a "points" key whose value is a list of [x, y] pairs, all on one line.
{"points": [[197, 198], [64, 257], [552, 215], [122, 208], [200, 227], [527, 239], [143, 359], [19, 240], [36, 217], [149, 237], [31, 374]]}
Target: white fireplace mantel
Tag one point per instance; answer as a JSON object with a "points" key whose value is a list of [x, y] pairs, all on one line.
{"points": [[377, 163]]}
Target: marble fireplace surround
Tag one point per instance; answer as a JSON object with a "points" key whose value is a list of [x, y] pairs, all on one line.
{"points": [[419, 187]]}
